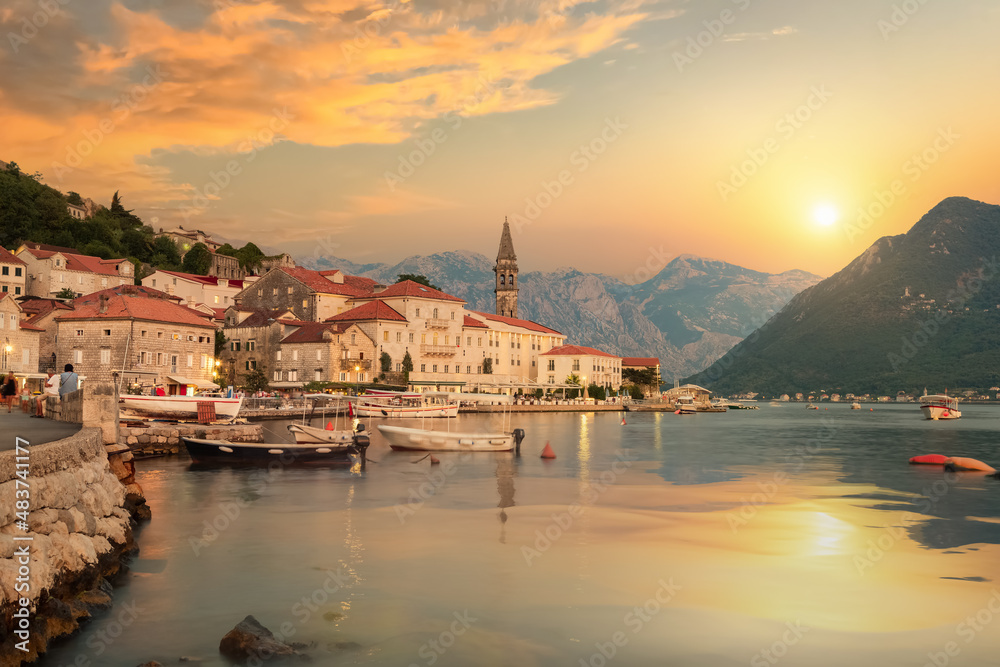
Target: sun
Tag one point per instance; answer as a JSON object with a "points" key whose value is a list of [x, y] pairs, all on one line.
{"points": [[825, 215]]}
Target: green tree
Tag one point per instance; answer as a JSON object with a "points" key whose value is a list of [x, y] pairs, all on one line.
{"points": [[573, 378], [226, 249], [635, 392], [385, 361], [639, 375], [255, 380], [220, 342], [417, 278], [165, 253], [66, 293], [198, 260], [74, 198], [249, 256], [407, 366], [596, 392], [488, 366]]}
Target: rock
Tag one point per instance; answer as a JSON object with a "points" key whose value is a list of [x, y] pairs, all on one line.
{"points": [[251, 639], [95, 600]]}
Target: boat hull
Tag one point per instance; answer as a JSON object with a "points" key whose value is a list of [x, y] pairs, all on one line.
{"points": [[222, 452], [306, 435], [420, 440], [180, 408], [936, 412], [404, 411]]}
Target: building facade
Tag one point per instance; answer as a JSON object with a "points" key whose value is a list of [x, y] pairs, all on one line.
{"points": [[213, 291], [325, 352], [13, 274], [590, 365], [49, 272], [19, 339], [253, 338], [505, 271]]}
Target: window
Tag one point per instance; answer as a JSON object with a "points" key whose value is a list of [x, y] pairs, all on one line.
{"points": [[277, 376], [5, 271], [17, 290], [399, 367], [175, 336], [293, 376], [352, 338], [4, 288], [552, 379], [79, 280], [295, 355], [17, 271], [159, 358], [204, 361], [576, 364], [173, 363], [423, 368], [552, 364], [452, 314], [190, 360], [319, 356], [435, 315], [468, 369], [411, 338], [343, 376], [399, 336], [385, 336], [260, 292], [105, 356], [305, 303], [318, 375], [289, 290], [479, 370], [468, 341], [480, 341], [278, 355], [434, 368], [446, 340], [274, 292], [423, 338], [79, 332], [142, 358], [159, 334], [142, 333], [251, 345], [234, 346], [362, 377], [418, 312], [446, 368], [77, 356], [216, 298], [251, 364]]}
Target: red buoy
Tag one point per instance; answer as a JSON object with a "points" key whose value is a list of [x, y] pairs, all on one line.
{"points": [[547, 453], [930, 459], [435, 460], [624, 423], [329, 426]]}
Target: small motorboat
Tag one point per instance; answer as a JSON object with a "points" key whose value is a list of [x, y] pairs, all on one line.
{"points": [[855, 406], [223, 452], [180, 408], [401, 438], [305, 435], [939, 406]]}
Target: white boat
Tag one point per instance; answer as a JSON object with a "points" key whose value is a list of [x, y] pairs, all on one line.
{"points": [[401, 438], [939, 406], [855, 406], [311, 435], [180, 408], [403, 406]]}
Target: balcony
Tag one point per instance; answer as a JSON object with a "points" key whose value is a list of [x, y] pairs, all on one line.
{"points": [[437, 323], [350, 364], [437, 350]]}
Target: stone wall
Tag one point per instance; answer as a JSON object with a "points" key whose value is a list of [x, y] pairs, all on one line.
{"points": [[166, 439], [80, 531], [94, 405]]}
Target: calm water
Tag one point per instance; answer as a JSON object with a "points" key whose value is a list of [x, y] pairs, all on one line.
{"points": [[776, 536]]}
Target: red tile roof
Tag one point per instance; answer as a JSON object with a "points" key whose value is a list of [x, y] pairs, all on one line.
{"points": [[640, 361], [473, 322], [513, 321], [83, 263], [373, 310], [412, 289], [37, 306], [53, 248], [30, 327], [131, 290], [204, 280], [128, 306], [7, 257], [576, 350], [312, 332], [316, 280]]}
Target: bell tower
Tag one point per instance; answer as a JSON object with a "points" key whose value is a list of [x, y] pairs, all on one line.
{"points": [[506, 275]]}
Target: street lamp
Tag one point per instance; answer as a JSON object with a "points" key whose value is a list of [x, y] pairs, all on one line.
{"points": [[7, 349], [357, 380]]}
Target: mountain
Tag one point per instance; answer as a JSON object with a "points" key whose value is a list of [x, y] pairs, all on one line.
{"points": [[920, 309], [688, 315]]}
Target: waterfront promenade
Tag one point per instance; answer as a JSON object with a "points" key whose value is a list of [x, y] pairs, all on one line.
{"points": [[35, 431]]}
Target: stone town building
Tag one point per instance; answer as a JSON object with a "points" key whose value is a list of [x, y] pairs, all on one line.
{"points": [[13, 273], [645, 364], [592, 366], [253, 338], [325, 352], [144, 334], [49, 271], [212, 291], [18, 338], [223, 266], [506, 275], [42, 313], [312, 296]]}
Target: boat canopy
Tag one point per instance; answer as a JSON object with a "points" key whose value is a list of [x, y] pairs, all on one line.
{"points": [[200, 384]]}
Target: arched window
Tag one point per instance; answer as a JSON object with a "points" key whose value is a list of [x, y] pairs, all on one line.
{"points": [[510, 279], [435, 313], [502, 279]]}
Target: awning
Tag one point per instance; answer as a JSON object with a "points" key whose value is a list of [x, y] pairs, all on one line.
{"points": [[285, 385], [200, 384]]}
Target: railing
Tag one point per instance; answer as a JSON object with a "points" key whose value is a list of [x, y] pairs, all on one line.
{"points": [[276, 403], [438, 350], [351, 364], [438, 323]]}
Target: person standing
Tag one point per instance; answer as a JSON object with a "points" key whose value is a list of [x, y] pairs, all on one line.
{"points": [[9, 390], [68, 381], [51, 389]]}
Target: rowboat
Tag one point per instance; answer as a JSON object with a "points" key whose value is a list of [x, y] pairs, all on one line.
{"points": [[312, 435], [180, 408], [939, 406], [401, 438], [223, 452]]}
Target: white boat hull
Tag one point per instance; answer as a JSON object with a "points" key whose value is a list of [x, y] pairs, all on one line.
{"points": [[936, 412], [310, 435], [405, 411], [180, 407], [401, 438]]}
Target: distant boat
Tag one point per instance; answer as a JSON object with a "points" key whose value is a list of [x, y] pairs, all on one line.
{"points": [[685, 405], [855, 406], [401, 438], [775, 404], [939, 406], [222, 452], [179, 408], [811, 407], [403, 405]]}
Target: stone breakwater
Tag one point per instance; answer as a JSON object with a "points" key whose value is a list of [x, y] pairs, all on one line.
{"points": [[80, 532], [166, 439]]}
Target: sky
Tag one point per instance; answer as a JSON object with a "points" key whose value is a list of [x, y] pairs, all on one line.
{"points": [[614, 135]]}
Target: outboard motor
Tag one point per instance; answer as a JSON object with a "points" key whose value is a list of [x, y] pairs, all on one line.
{"points": [[361, 442], [360, 428], [518, 437]]}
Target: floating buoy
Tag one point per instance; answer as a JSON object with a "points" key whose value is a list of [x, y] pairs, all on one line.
{"points": [[677, 412], [547, 452], [435, 460], [929, 459], [963, 464], [871, 409], [624, 423], [329, 426]]}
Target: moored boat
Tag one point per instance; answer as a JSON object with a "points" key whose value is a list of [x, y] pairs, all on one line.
{"points": [[180, 408], [855, 406], [403, 405], [312, 435], [401, 438], [223, 452], [939, 406]]}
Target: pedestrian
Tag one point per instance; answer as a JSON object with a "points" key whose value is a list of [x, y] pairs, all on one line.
{"points": [[9, 390], [51, 389], [68, 381]]}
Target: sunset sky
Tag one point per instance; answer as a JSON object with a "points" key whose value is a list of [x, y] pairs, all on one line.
{"points": [[750, 131]]}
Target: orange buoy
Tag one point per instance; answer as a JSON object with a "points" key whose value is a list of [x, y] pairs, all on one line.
{"points": [[871, 409], [624, 423], [929, 459], [963, 464], [435, 460], [677, 412], [329, 426], [547, 453]]}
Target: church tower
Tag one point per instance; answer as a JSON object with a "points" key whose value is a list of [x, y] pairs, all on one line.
{"points": [[506, 275]]}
